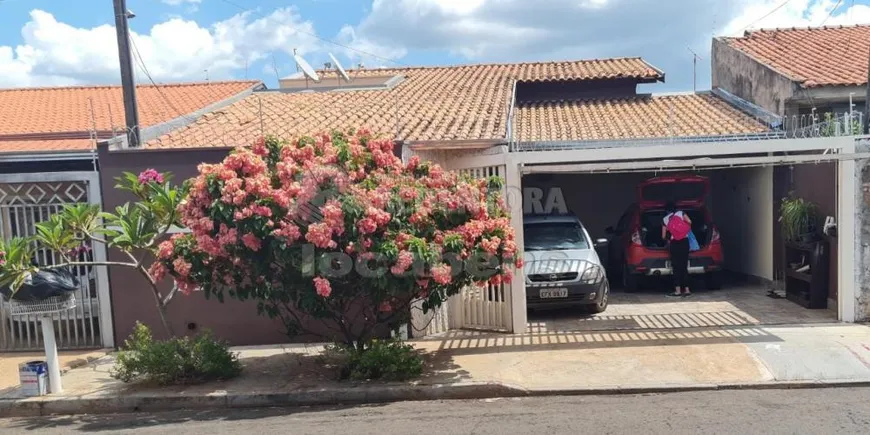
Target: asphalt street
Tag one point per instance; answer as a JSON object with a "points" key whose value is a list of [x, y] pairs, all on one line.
{"points": [[841, 411]]}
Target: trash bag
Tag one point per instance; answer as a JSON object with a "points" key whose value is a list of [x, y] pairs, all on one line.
{"points": [[43, 285]]}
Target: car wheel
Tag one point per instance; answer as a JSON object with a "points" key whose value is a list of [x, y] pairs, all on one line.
{"points": [[713, 280], [602, 304], [629, 280]]}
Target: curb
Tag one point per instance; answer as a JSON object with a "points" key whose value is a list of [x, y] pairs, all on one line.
{"points": [[44, 406]]}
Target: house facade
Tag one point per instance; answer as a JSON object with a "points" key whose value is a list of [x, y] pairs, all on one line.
{"points": [[580, 127], [796, 71], [48, 158]]}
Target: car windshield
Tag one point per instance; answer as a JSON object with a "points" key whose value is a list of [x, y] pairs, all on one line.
{"points": [[554, 236]]}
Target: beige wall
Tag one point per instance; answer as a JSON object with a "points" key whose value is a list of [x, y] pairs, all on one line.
{"points": [[743, 212]]}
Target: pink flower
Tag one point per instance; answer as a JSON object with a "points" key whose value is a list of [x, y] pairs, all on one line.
{"points": [[157, 270], [442, 274], [320, 235], [385, 307], [252, 242], [165, 249], [181, 267], [150, 176], [490, 245], [367, 225], [259, 147], [404, 261], [322, 287]]}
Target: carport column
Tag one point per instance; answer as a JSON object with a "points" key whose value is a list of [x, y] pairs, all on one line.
{"points": [[848, 270], [517, 295]]}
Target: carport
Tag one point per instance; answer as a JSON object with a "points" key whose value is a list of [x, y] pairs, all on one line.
{"points": [[741, 172]]}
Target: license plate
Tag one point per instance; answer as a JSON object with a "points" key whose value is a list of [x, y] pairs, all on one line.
{"points": [[552, 293]]}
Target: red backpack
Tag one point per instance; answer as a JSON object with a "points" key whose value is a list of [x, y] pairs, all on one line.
{"points": [[678, 227]]}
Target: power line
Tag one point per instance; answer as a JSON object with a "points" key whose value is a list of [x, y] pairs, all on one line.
{"points": [[314, 35], [141, 62], [831, 13], [767, 15]]}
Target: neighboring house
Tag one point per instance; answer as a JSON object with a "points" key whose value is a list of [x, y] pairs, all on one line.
{"points": [[794, 71], [801, 74], [48, 158], [546, 123]]}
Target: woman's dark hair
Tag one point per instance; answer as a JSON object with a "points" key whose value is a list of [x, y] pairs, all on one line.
{"points": [[670, 207]]}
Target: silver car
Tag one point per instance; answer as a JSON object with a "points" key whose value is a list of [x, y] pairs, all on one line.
{"points": [[562, 267]]}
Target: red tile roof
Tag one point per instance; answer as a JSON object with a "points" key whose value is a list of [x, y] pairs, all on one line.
{"points": [[466, 102], [641, 117], [820, 56], [59, 119]]}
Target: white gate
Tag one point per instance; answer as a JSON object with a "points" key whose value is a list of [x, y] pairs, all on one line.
{"points": [[482, 307], [26, 200]]}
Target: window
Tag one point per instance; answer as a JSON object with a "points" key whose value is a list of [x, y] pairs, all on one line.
{"points": [[554, 237]]}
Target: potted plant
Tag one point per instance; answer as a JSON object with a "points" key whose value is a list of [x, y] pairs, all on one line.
{"points": [[798, 219]]}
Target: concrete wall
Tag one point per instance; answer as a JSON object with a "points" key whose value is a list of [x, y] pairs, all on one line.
{"points": [[739, 74], [598, 200], [133, 301], [743, 212], [862, 246]]}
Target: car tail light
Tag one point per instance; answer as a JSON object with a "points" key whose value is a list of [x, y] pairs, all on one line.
{"points": [[635, 238], [715, 236]]}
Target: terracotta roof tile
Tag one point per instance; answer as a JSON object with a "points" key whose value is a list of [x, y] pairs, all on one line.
{"points": [[432, 103], [820, 56], [638, 117], [28, 112]]}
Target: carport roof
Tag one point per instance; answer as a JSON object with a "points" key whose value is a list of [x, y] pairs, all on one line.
{"points": [[640, 117], [425, 104]]}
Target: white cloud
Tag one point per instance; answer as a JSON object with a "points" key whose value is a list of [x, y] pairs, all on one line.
{"points": [[796, 13], [55, 53], [518, 30]]}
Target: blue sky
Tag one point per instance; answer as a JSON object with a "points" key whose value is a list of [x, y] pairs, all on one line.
{"points": [[52, 42]]}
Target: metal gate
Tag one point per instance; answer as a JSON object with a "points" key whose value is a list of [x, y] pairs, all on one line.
{"points": [[26, 200], [482, 307]]}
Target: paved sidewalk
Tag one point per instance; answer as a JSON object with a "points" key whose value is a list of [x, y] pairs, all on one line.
{"points": [[9, 362], [466, 364]]}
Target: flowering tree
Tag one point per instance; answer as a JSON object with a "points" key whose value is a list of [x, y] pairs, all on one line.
{"points": [[336, 231], [134, 228]]}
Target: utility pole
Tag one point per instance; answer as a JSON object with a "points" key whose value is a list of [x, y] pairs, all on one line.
{"points": [[128, 85]]}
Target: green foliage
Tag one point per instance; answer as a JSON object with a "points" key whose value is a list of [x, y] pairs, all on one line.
{"points": [[833, 126], [797, 218], [388, 360], [174, 361]]}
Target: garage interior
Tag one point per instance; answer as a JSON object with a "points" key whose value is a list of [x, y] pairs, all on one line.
{"points": [[743, 203]]}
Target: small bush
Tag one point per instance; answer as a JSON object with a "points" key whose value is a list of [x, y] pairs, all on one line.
{"points": [[174, 361], [389, 360]]}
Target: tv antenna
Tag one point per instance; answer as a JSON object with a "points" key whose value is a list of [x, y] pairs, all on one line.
{"points": [[695, 57], [341, 72], [307, 70]]}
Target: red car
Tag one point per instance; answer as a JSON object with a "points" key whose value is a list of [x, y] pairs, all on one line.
{"points": [[637, 249]]}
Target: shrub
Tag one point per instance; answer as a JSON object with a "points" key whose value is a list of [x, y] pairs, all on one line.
{"points": [[389, 360], [174, 361], [336, 230]]}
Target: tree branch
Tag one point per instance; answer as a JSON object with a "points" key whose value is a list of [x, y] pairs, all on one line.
{"points": [[90, 263]]}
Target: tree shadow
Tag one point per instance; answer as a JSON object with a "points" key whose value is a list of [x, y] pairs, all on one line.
{"points": [[136, 420], [280, 373]]}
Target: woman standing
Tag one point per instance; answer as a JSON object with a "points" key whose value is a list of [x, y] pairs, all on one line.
{"points": [[678, 225]]}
